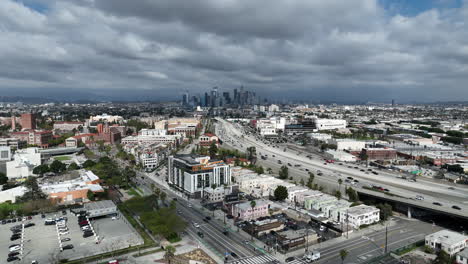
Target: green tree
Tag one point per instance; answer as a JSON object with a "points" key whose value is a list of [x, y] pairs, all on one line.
{"points": [[310, 181], [283, 172], [343, 255], [108, 149], [163, 197], [340, 181], [269, 170], [73, 166], [33, 191], [259, 170], [281, 193], [385, 211], [443, 258], [213, 150], [302, 182], [3, 178], [57, 166], [169, 253], [101, 146], [88, 164], [90, 195], [41, 169], [338, 195], [252, 205], [352, 194], [252, 154]]}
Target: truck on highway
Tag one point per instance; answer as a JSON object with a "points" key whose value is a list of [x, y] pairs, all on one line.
{"points": [[312, 256]]}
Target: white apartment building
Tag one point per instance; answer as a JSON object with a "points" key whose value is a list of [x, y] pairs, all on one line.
{"points": [[215, 195], [333, 210], [193, 173], [348, 144], [293, 191], [320, 136], [152, 132], [257, 185], [329, 124], [147, 139], [309, 194], [448, 241], [359, 215], [5, 153], [23, 163]]}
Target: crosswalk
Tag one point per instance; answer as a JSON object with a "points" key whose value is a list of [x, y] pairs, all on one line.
{"points": [[260, 259]]}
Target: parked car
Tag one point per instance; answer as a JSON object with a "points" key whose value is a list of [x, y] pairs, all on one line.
{"points": [[87, 234], [29, 225], [15, 248], [11, 254], [437, 203], [65, 239], [12, 258], [290, 259], [69, 246]]}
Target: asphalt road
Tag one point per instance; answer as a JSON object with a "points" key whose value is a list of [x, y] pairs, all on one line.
{"points": [[231, 135], [363, 248]]}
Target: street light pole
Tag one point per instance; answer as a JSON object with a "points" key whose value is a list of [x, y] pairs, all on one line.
{"points": [[386, 238]]}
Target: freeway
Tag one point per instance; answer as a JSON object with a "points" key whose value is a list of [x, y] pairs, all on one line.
{"points": [[232, 135]]}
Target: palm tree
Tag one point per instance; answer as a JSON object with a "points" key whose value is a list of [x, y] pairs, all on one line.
{"points": [[340, 181], [170, 250], [343, 255], [157, 194], [252, 205], [269, 170]]}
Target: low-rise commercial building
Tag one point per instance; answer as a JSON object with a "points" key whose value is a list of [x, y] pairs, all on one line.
{"points": [[5, 153], [73, 191], [12, 194], [206, 139], [34, 137], [68, 125], [379, 153], [318, 202], [100, 208], [462, 257], [340, 155], [291, 239], [449, 241], [348, 144]]}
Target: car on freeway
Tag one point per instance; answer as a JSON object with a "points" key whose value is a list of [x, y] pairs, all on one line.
{"points": [[451, 188], [419, 197], [350, 178], [319, 174], [456, 207], [437, 203], [375, 173]]}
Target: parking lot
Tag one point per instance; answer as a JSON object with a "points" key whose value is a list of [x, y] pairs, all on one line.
{"points": [[42, 242]]}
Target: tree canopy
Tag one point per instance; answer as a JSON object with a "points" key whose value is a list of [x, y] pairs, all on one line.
{"points": [[281, 193]]}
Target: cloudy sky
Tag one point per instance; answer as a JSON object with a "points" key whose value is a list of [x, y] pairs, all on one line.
{"points": [[333, 50]]}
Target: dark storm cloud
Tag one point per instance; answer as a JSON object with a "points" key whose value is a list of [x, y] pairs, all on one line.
{"points": [[287, 48]]}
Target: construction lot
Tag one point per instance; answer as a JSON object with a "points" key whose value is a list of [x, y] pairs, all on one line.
{"points": [[43, 242]]}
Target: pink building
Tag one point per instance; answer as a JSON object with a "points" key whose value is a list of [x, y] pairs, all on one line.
{"points": [[244, 211]]}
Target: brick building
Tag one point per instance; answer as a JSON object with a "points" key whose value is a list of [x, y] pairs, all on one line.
{"points": [[379, 153], [28, 121], [34, 137]]}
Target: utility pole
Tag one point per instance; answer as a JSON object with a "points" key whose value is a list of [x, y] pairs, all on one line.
{"points": [[347, 224], [386, 238]]}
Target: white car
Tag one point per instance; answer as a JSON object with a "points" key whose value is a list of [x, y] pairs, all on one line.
{"points": [[15, 248], [64, 233], [196, 225], [85, 228], [322, 228]]}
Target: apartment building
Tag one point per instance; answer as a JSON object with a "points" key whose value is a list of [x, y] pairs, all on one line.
{"points": [[193, 173], [245, 211], [359, 215]]}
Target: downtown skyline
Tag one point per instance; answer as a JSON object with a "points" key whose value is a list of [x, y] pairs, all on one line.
{"points": [[334, 51]]}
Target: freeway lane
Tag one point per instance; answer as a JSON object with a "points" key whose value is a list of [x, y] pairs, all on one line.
{"points": [[435, 191]]}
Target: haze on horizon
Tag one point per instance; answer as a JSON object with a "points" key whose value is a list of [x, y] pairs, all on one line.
{"points": [[368, 50]]}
